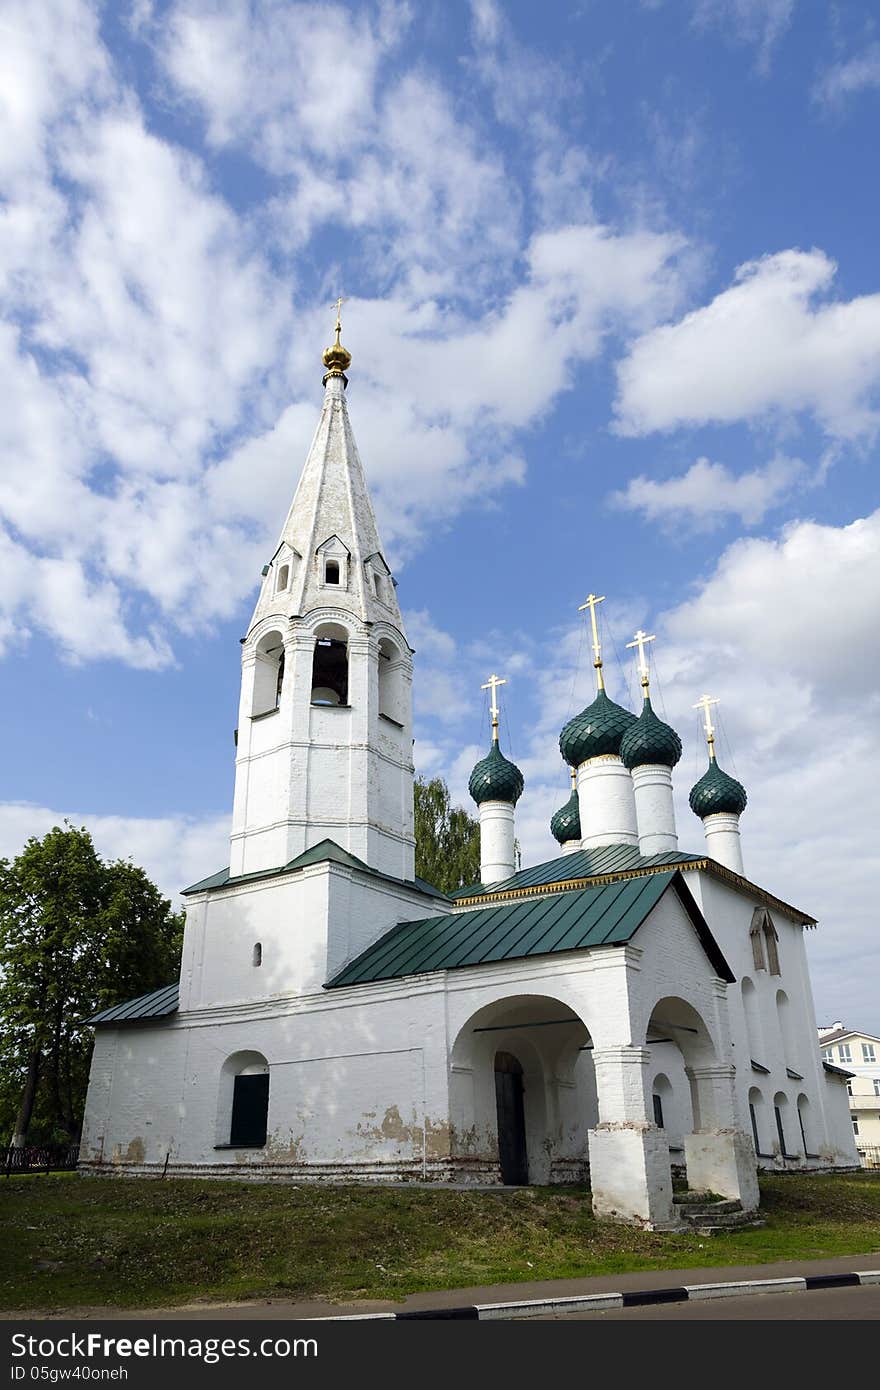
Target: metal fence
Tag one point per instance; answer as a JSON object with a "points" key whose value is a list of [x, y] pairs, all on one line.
{"points": [[869, 1155], [40, 1158]]}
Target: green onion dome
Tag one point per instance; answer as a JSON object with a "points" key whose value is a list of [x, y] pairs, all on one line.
{"points": [[596, 730], [717, 793], [496, 778], [566, 824], [649, 740]]}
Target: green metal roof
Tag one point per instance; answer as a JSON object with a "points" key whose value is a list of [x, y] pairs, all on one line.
{"points": [[327, 852], [496, 778], [158, 1004], [597, 730], [717, 792], [586, 863], [649, 740], [606, 915]]}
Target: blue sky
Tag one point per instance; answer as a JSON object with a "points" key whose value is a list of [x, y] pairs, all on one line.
{"points": [[614, 305]]}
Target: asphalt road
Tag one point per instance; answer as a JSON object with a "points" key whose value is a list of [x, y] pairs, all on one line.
{"points": [[861, 1304]]}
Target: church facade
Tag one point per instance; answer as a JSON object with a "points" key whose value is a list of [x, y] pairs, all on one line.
{"points": [[623, 1010]]}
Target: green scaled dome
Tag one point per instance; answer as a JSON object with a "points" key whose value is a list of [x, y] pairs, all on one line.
{"points": [[566, 824], [649, 740], [596, 730], [716, 793], [496, 778]]}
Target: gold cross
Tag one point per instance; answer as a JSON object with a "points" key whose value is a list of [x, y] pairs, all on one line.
{"points": [[705, 703], [641, 641], [339, 303], [492, 684], [592, 600]]}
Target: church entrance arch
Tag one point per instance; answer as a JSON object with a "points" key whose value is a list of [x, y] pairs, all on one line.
{"points": [[523, 1093], [513, 1156]]}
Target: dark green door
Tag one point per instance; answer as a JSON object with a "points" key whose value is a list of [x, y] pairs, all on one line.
{"points": [[511, 1120], [250, 1110]]}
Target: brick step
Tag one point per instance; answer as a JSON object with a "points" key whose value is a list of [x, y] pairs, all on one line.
{"points": [[687, 1209]]}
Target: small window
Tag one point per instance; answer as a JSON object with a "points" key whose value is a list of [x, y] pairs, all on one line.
{"points": [[258, 953], [855, 1120], [283, 578], [658, 1110], [877, 1085], [331, 572], [849, 1088], [845, 1052], [868, 1052], [827, 1054]]}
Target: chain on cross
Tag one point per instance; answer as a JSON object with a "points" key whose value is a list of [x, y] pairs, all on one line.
{"points": [[492, 684], [592, 601], [641, 640], [705, 703]]}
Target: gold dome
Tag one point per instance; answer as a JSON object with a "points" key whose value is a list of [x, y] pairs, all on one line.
{"points": [[336, 358]]}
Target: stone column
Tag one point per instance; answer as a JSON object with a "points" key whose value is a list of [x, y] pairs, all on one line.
{"points": [[497, 839], [652, 784], [606, 803], [722, 840], [629, 1156], [718, 1155]]}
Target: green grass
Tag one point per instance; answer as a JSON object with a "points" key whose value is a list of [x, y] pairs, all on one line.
{"points": [[70, 1242]]}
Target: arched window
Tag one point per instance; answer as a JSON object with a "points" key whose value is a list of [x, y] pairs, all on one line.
{"points": [[758, 1117], [786, 1027], [283, 578], [391, 683], [805, 1120], [258, 953], [781, 1115], [330, 666], [269, 674], [753, 1020], [661, 1092], [242, 1121]]}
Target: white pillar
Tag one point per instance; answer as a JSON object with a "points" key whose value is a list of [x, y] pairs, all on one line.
{"points": [[496, 841], [655, 812], [722, 840], [606, 803], [630, 1176]]}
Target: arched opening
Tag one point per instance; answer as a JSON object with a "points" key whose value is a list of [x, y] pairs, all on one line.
{"points": [[661, 1100], [754, 1036], [243, 1107], [257, 957], [786, 1028], [269, 674], [512, 1152], [391, 683], [283, 578], [330, 666], [758, 1118], [554, 1085], [783, 1120], [805, 1123]]}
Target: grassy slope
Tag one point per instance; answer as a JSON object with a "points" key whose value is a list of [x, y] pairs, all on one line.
{"points": [[66, 1241]]}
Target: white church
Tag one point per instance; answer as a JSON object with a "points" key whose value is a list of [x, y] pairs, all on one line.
{"points": [[626, 1009]]}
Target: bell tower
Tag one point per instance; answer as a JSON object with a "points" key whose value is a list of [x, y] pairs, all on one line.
{"points": [[325, 716]]}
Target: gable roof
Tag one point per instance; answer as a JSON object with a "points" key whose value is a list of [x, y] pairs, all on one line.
{"points": [[326, 852], [602, 915], [840, 1034], [610, 863], [157, 1004]]}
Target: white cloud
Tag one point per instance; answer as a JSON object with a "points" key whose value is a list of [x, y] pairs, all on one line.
{"points": [[854, 75], [709, 493], [174, 850], [767, 345], [758, 22]]}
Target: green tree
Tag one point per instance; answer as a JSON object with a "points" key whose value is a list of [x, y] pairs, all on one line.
{"points": [[447, 838], [76, 935]]}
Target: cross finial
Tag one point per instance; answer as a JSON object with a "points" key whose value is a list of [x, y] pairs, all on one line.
{"points": [[338, 330], [492, 684], [705, 703], [641, 640], [592, 600]]}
